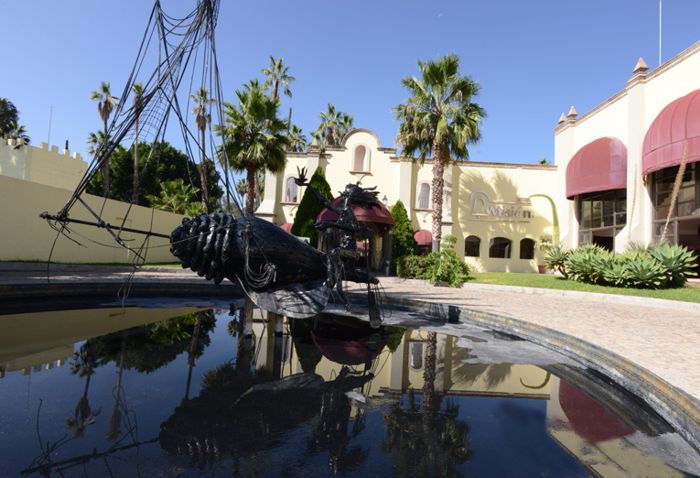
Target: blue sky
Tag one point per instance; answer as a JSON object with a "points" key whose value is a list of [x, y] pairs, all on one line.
{"points": [[533, 59]]}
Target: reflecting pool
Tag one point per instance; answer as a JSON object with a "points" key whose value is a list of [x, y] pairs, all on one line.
{"points": [[211, 389]]}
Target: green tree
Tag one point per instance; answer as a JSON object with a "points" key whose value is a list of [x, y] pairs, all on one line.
{"points": [[256, 138], [277, 75], [334, 125], [178, 197], [105, 106], [17, 132], [297, 140], [203, 119], [310, 208], [137, 89], [158, 162], [404, 244], [439, 120], [8, 116]]}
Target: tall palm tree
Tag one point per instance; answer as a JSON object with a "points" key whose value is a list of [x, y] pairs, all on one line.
{"points": [[256, 138], [277, 75], [440, 120], [105, 106], [297, 140], [334, 125], [203, 118], [137, 89], [95, 141]]}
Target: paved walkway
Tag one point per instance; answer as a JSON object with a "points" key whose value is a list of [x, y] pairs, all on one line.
{"points": [[661, 336]]}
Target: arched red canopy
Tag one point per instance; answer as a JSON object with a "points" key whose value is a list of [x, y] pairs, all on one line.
{"points": [[348, 352], [378, 214], [423, 237], [287, 226], [589, 419], [601, 165], [678, 124]]}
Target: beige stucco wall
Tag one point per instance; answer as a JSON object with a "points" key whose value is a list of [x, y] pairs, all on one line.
{"points": [[397, 178], [627, 116], [41, 165], [25, 236]]}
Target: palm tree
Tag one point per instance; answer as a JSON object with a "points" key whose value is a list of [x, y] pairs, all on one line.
{"points": [[334, 125], [256, 138], [203, 118], [297, 140], [439, 119], [105, 106], [17, 132], [8, 116], [95, 141], [137, 89], [277, 75]]}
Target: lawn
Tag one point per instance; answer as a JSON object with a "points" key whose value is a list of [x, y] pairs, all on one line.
{"points": [[546, 281]]}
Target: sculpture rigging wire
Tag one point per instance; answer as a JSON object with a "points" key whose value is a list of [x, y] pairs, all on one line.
{"points": [[278, 271]]}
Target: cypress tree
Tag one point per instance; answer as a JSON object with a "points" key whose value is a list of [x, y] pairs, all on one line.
{"points": [[310, 208], [404, 244]]}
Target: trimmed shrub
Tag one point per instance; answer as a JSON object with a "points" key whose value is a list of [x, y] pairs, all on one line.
{"points": [[448, 243], [404, 244], [310, 208], [444, 267], [678, 261]]}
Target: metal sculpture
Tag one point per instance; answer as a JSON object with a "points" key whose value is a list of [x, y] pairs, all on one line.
{"points": [[279, 272]]}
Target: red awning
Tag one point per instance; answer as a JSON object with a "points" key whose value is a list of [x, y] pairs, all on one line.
{"points": [[423, 237], [599, 166], [588, 418], [287, 226], [677, 124], [378, 214], [348, 352]]}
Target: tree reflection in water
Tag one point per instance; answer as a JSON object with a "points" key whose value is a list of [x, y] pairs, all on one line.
{"points": [[429, 440], [83, 365]]}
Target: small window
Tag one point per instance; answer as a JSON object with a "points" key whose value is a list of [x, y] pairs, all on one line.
{"points": [[291, 193], [423, 196], [361, 160], [472, 244], [500, 248], [527, 249]]}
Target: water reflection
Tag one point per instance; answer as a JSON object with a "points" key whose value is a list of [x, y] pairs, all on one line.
{"points": [[240, 392]]}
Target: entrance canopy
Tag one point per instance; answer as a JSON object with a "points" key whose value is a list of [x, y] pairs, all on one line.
{"points": [[601, 165], [423, 237], [378, 214], [678, 124]]}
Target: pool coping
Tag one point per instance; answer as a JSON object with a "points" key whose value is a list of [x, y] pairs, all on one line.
{"points": [[676, 406]]}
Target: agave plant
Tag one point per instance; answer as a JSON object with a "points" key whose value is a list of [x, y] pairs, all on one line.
{"points": [[617, 274], [645, 272], [678, 261], [587, 263], [555, 257]]}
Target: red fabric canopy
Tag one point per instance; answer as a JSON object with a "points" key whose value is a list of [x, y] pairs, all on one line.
{"points": [[423, 237], [287, 226], [378, 214], [347, 352], [599, 166], [677, 124], [589, 419]]}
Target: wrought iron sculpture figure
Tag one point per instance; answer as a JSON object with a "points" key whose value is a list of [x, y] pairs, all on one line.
{"points": [[279, 272]]}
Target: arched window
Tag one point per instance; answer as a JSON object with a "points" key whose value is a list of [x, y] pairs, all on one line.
{"points": [[472, 244], [500, 248], [527, 249], [361, 160], [423, 201], [291, 191]]}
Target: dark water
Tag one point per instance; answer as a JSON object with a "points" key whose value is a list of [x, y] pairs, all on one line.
{"points": [[201, 391]]}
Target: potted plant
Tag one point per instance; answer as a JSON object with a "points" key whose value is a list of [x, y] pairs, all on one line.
{"points": [[544, 246]]}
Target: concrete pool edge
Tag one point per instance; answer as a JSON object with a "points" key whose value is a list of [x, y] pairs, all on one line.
{"points": [[677, 407]]}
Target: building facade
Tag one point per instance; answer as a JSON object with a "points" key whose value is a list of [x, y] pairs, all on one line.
{"points": [[620, 161], [498, 212]]}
